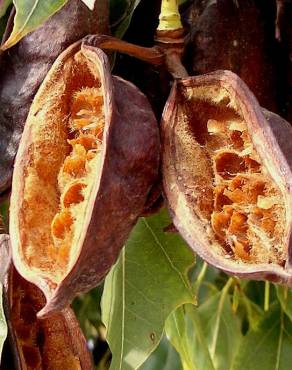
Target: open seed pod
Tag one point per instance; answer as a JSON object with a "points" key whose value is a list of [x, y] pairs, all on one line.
{"points": [[88, 156], [227, 176], [54, 343], [24, 66]]}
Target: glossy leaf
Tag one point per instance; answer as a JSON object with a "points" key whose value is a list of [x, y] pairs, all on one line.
{"points": [[184, 330], [4, 4], [121, 12], [3, 325], [147, 283], [30, 14], [269, 347]]}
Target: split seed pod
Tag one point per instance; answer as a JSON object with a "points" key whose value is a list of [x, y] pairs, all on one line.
{"points": [[87, 159], [53, 343], [227, 176], [25, 65]]}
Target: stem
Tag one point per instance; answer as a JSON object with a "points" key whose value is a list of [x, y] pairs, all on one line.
{"points": [[151, 55], [174, 64], [200, 278], [218, 316], [267, 296], [169, 19]]}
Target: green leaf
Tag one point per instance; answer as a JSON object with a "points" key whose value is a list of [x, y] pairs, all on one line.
{"points": [[285, 297], [164, 357], [3, 326], [147, 283], [30, 14], [4, 211], [121, 12], [4, 4], [254, 313], [206, 337], [184, 330], [269, 347], [221, 328], [86, 308]]}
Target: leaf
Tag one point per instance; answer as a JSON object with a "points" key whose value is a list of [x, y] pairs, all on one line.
{"points": [[4, 4], [285, 298], [89, 3], [86, 308], [184, 330], [269, 347], [221, 328], [30, 14], [206, 337], [4, 210], [147, 283], [164, 357], [3, 325], [121, 12], [254, 313]]}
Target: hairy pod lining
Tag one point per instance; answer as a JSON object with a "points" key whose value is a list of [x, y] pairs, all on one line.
{"points": [[65, 151]]}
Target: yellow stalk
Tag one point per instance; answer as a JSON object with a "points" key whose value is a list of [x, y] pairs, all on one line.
{"points": [[169, 19]]}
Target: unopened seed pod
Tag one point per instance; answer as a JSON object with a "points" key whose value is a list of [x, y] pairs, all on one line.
{"points": [[238, 36], [87, 159], [25, 65], [227, 176]]}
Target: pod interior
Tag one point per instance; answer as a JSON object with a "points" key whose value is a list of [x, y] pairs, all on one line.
{"points": [[42, 344], [61, 166], [224, 180]]}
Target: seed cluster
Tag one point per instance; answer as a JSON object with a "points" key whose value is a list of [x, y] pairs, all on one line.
{"points": [[86, 124], [248, 208]]}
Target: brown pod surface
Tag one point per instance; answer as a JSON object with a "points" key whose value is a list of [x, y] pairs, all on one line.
{"points": [[87, 159], [227, 176], [25, 65], [237, 36], [54, 343]]}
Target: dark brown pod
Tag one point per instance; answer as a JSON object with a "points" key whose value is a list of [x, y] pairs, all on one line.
{"points": [[54, 343], [87, 159], [227, 176], [24, 66], [237, 36], [284, 36]]}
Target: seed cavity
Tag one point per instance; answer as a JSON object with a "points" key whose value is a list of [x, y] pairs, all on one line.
{"points": [[243, 206]]}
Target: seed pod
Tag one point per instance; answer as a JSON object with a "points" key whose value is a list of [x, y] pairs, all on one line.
{"points": [[238, 36], [227, 176], [54, 343], [88, 156], [24, 66], [284, 36]]}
